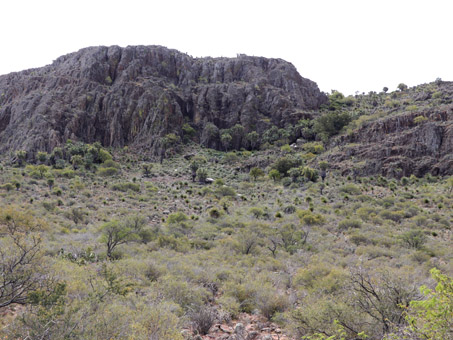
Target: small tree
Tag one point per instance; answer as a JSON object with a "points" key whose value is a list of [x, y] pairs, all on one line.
{"points": [[253, 138], [50, 182], [274, 174], [115, 233], [194, 167], [20, 256], [256, 172], [21, 155], [226, 139], [42, 169], [402, 87], [323, 165], [76, 161], [42, 157], [147, 169], [310, 174], [385, 89]]}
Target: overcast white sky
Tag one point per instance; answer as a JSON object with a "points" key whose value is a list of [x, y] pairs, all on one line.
{"points": [[348, 45]]}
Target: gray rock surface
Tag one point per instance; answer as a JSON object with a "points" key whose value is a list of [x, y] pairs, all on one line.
{"points": [[135, 95], [397, 146]]}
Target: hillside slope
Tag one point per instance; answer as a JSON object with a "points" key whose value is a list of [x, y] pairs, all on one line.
{"points": [[398, 134]]}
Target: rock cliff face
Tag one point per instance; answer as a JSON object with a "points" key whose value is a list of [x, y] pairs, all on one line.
{"points": [[399, 146], [135, 95]]}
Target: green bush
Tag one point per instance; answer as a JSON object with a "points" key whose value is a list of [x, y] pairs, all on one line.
{"points": [[177, 217], [223, 191], [109, 163], [350, 189], [396, 216], [313, 147], [414, 238], [107, 172], [349, 224], [309, 218], [7, 186], [331, 123], [126, 186], [283, 164]]}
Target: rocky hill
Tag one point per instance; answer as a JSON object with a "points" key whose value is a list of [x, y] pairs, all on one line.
{"points": [[403, 133], [135, 95]]}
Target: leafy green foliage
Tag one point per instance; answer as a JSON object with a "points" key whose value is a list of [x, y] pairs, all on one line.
{"points": [[432, 317]]}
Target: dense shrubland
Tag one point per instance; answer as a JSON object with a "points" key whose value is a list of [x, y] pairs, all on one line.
{"points": [[110, 244]]}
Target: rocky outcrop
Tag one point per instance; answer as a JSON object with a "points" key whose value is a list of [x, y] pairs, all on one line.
{"points": [[399, 145], [134, 95]]}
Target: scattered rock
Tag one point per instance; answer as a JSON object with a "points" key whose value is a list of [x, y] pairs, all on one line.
{"points": [[239, 329]]}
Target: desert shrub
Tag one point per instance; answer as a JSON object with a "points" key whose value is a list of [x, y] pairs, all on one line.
{"points": [[396, 216], [126, 186], [185, 294], [349, 224], [179, 244], [224, 190], [151, 187], [231, 157], [320, 277], [269, 301], [291, 237], [286, 181], [230, 305], [359, 238], [310, 218], [202, 174], [214, 213], [177, 217], [156, 322], [256, 212], [418, 119], [283, 164], [350, 189], [289, 209], [366, 213], [57, 191], [245, 294], [104, 155], [331, 123], [7, 187], [413, 238], [309, 173], [109, 163], [313, 147], [202, 319], [107, 172], [65, 173]]}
